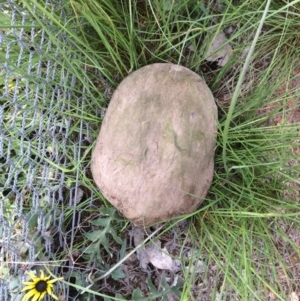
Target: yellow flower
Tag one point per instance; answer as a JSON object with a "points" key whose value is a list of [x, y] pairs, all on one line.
{"points": [[38, 287]]}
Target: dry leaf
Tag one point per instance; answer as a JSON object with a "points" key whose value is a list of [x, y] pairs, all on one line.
{"points": [[159, 258], [143, 258], [215, 53], [294, 297], [138, 236], [79, 195]]}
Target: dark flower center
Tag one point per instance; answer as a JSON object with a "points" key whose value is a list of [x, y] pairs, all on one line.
{"points": [[41, 286]]}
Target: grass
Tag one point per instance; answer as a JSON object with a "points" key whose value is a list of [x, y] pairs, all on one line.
{"points": [[245, 236]]}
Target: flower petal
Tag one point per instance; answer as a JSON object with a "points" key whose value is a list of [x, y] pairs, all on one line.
{"points": [[28, 287], [37, 296], [52, 295], [28, 295], [43, 277], [30, 283], [42, 295], [31, 275]]}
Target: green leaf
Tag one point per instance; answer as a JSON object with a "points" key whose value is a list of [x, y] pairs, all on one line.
{"points": [[137, 295], [94, 251], [101, 237], [154, 293], [92, 248], [123, 249], [95, 235], [118, 274], [113, 233], [120, 297], [101, 221]]}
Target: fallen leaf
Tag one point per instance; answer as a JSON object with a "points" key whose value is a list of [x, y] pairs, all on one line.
{"points": [[78, 196], [143, 258], [294, 297], [138, 236], [160, 258], [219, 50]]}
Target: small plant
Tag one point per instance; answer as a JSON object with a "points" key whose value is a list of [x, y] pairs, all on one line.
{"points": [[101, 237]]}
